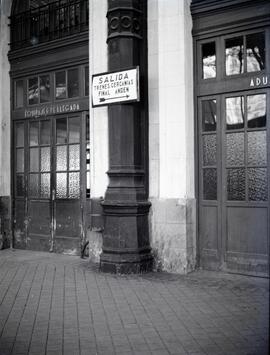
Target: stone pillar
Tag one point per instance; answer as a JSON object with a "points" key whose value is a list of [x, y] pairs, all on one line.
{"points": [[126, 246]]}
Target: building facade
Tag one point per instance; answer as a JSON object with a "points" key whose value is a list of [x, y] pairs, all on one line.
{"points": [[175, 181]]}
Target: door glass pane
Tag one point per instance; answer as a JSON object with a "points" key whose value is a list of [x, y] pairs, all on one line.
{"points": [[44, 82], [74, 185], [45, 160], [74, 157], [34, 159], [86, 81], [60, 85], [209, 149], [257, 148], [256, 111], [33, 133], [209, 60], [19, 184], [45, 132], [236, 184], [20, 160], [73, 83], [209, 115], [235, 112], [33, 91], [20, 134], [255, 52], [19, 93], [61, 130], [45, 185], [234, 56], [257, 184], [33, 185], [61, 158], [74, 130], [209, 184], [235, 149], [61, 185]]}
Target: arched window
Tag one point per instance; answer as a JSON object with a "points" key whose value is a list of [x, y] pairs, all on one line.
{"points": [[39, 21]]}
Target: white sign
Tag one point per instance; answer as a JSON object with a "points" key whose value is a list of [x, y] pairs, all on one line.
{"points": [[110, 88]]}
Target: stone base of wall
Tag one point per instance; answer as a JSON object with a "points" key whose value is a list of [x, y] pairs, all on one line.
{"points": [[173, 234], [5, 222]]}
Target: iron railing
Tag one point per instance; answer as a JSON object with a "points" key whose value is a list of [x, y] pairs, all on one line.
{"points": [[49, 22]]}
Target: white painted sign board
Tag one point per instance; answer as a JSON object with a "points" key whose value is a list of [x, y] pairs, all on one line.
{"points": [[115, 87]]}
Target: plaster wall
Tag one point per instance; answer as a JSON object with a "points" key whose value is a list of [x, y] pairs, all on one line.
{"points": [[171, 135]]}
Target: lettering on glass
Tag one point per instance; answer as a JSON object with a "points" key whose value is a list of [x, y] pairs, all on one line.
{"points": [[259, 81], [51, 110]]}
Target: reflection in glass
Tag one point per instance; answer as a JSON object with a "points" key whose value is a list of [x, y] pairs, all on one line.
{"points": [[257, 184], [257, 148], [74, 130], [209, 60], [234, 56], [34, 159], [19, 93], [45, 185], [61, 185], [45, 160], [74, 185], [45, 132], [33, 91], [88, 184], [61, 158], [20, 134], [74, 157], [236, 184], [33, 140], [209, 184], [235, 149], [256, 111], [19, 184], [235, 112], [209, 149], [33, 185], [60, 85], [61, 130], [73, 83], [44, 82], [20, 160], [209, 115], [255, 52], [86, 81]]}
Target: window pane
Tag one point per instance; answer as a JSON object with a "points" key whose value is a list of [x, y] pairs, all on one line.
{"points": [[33, 185], [209, 115], [236, 184], [61, 158], [44, 88], [257, 184], [74, 185], [20, 160], [19, 93], [235, 112], [235, 149], [74, 157], [255, 52], [86, 81], [45, 132], [209, 149], [88, 184], [256, 111], [19, 184], [74, 130], [209, 184], [33, 133], [234, 56], [209, 60], [61, 130], [34, 159], [60, 85], [61, 185], [73, 83], [33, 91], [45, 185], [45, 160], [20, 134], [257, 148]]}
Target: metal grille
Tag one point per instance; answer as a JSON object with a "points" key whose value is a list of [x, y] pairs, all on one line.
{"points": [[49, 22]]}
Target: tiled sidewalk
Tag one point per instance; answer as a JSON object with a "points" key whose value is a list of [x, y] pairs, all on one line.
{"points": [[56, 304]]}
